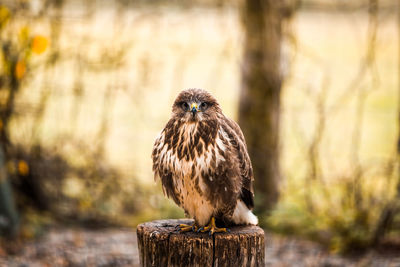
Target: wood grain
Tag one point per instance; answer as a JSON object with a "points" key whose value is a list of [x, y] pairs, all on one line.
{"points": [[160, 244]]}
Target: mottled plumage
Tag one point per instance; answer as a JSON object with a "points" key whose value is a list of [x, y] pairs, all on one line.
{"points": [[202, 161]]}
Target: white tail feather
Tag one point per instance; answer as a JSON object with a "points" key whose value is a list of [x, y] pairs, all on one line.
{"points": [[242, 215]]}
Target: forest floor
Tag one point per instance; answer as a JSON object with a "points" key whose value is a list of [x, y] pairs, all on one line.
{"points": [[118, 247]]}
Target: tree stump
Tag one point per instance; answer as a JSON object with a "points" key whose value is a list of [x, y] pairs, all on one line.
{"points": [[160, 244]]}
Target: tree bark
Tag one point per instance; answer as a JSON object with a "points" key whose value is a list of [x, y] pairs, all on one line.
{"points": [[259, 107], [160, 244]]}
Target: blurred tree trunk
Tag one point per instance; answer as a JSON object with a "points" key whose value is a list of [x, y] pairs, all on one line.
{"points": [[9, 220], [259, 108]]}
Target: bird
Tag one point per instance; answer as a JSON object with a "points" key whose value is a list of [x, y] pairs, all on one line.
{"points": [[201, 159]]}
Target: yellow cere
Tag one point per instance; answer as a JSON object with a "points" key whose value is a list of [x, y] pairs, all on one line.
{"points": [[193, 105]]}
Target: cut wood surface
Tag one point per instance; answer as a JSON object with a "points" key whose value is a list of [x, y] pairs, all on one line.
{"points": [[160, 244]]}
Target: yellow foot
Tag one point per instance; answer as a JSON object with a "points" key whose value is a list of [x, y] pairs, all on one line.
{"points": [[187, 228], [212, 228]]}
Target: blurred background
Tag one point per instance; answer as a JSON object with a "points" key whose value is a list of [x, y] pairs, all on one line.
{"points": [[86, 86]]}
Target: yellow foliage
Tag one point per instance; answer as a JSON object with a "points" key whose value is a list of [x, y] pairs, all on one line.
{"points": [[23, 168], [85, 204], [39, 44], [20, 69], [11, 167], [24, 34], [4, 16]]}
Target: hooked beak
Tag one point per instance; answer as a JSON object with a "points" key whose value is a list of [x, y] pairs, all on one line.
{"points": [[193, 108]]}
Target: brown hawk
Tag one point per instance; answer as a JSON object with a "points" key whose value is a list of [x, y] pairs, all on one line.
{"points": [[202, 161]]}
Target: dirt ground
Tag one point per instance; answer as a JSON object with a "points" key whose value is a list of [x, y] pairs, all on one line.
{"points": [[118, 247]]}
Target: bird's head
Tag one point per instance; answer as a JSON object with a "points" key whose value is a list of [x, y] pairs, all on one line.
{"points": [[194, 105]]}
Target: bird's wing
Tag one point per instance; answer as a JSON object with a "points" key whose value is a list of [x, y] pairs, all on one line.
{"points": [[161, 171], [237, 140]]}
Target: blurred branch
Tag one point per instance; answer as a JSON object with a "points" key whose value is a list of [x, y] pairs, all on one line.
{"points": [[54, 51], [368, 61], [315, 173], [367, 64], [108, 104], [393, 207], [356, 141], [353, 197]]}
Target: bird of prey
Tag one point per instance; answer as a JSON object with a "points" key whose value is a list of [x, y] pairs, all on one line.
{"points": [[202, 161]]}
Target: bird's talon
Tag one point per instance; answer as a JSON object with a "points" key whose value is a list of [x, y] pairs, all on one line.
{"points": [[212, 228], [184, 228], [187, 228]]}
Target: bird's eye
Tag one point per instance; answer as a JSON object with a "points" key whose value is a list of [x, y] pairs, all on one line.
{"points": [[203, 105], [185, 106]]}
